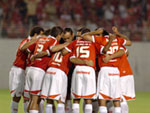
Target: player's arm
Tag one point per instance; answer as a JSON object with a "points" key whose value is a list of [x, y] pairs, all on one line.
{"points": [[115, 55], [127, 53], [59, 47], [115, 30], [68, 49], [26, 45], [64, 51], [75, 60], [107, 46], [40, 55], [88, 36], [126, 50]]}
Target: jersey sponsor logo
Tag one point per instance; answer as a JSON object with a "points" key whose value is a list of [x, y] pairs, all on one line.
{"points": [[82, 72], [53, 73], [113, 74]]}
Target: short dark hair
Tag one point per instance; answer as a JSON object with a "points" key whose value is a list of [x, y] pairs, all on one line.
{"points": [[36, 30], [105, 33], [68, 30], [47, 32], [79, 30], [55, 31], [85, 30]]}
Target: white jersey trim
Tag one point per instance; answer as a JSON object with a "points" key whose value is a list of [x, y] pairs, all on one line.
{"points": [[101, 50], [93, 39], [124, 42], [68, 49], [28, 50], [48, 52], [53, 45]]}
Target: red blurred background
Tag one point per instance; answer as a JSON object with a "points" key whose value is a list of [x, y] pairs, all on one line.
{"points": [[132, 17]]}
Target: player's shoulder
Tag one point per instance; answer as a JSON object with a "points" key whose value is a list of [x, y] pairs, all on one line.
{"points": [[74, 42], [119, 38], [51, 37], [24, 41], [43, 38]]}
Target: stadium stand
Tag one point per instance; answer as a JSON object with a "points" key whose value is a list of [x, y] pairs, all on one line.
{"points": [[131, 16]]}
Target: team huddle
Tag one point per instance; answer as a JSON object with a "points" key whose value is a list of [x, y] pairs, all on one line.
{"points": [[56, 65]]}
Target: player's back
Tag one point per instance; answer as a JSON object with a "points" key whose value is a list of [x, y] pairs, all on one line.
{"points": [[124, 66], [21, 57], [61, 62], [115, 46], [43, 44], [85, 50]]}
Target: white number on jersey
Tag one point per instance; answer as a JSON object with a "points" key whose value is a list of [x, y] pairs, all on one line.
{"points": [[83, 50], [58, 57], [112, 50], [40, 47]]}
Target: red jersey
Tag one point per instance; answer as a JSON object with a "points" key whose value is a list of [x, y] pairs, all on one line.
{"points": [[43, 44], [30, 49], [124, 66], [84, 50], [61, 62], [21, 57], [115, 46]]}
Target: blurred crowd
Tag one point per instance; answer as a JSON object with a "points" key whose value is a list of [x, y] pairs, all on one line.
{"points": [[132, 17]]}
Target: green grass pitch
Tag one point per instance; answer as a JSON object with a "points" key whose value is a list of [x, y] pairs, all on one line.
{"points": [[140, 105]]}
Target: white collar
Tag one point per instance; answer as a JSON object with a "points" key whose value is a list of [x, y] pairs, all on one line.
{"points": [[29, 37]]}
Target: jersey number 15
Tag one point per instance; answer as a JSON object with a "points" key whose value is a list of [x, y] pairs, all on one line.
{"points": [[82, 52]]}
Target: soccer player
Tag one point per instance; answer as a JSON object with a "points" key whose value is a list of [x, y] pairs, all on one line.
{"points": [[68, 35], [17, 73], [126, 77], [83, 78], [127, 83], [36, 72], [108, 86], [55, 81], [26, 93]]}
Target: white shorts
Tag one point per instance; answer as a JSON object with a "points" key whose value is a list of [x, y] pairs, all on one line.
{"points": [[108, 85], [16, 81], [34, 80], [54, 85], [127, 87], [83, 83], [26, 92]]}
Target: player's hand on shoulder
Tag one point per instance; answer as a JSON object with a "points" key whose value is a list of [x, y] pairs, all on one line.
{"points": [[67, 43], [89, 62], [106, 58], [111, 36]]}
